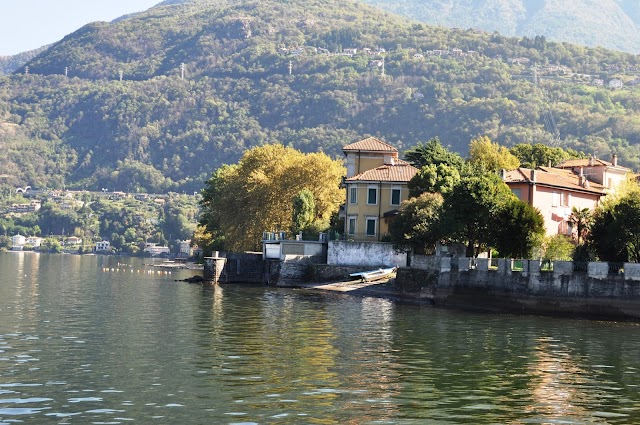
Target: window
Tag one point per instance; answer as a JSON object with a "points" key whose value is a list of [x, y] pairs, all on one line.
{"points": [[353, 195], [372, 224], [351, 225], [555, 199], [372, 195], [517, 192], [395, 195], [565, 199]]}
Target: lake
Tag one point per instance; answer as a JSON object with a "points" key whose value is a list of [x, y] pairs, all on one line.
{"points": [[106, 340]]}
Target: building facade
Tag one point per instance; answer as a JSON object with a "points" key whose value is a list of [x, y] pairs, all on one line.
{"points": [[18, 241], [103, 246], [376, 185], [554, 192], [608, 174]]}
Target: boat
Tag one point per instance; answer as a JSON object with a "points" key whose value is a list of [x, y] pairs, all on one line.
{"points": [[371, 275]]}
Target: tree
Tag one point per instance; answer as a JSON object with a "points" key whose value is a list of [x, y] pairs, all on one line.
{"points": [[441, 178], [433, 153], [470, 210], [581, 219], [557, 247], [491, 156], [304, 211], [539, 155], [243, 200], [615, 232], [519, 229], [416, 226]]}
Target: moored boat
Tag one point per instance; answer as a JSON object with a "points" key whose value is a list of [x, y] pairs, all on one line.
{"points": [[372, 275]]}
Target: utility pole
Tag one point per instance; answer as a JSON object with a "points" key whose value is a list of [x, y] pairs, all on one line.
{"points": [[383, 73], [121, 75], [290, 67], [182, 68], [66, 71], [26, 70]]}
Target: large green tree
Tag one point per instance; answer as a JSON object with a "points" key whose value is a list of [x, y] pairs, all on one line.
{"points": [[615, 232], [518, 229], [433, 153], [540, 155], [470, 211], [417, 224], [484, 153], [441, 178]]}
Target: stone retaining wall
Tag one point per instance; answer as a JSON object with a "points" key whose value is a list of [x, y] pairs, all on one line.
{"points": [[499, 285]]}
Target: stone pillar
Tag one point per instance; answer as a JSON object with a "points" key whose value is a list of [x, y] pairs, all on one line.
{"points": [[445, 264], [504, 266], [482, 264], [213, 267]]}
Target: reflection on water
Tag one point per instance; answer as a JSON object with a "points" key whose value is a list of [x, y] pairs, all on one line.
{"points": [[78, 345]]}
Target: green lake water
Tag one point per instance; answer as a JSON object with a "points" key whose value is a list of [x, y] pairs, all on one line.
{"points": [[106, 340]]}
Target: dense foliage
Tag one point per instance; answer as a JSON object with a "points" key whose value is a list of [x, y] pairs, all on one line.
{"points": [[128, 223], [615, 232], [258, 194], [156, 132], [466, 202]]}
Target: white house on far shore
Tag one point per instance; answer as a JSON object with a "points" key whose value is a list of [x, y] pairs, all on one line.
{"points": [[18, 242], [103, 246], [154, 250], [34, 241]]}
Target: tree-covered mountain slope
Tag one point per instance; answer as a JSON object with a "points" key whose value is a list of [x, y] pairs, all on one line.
{"points": [[613, 24], [11, 64], [314, 75]]}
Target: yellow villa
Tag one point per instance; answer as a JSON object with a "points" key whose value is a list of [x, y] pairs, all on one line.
{"points": [[376, 185]]}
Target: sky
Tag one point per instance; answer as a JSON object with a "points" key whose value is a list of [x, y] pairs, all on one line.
{"points": [[29, 24]]}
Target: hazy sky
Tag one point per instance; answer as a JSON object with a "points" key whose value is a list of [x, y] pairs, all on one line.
{"points": [[29, 24]]}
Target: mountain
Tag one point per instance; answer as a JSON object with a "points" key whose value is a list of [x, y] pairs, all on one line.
{"points": [[11, 64], [203, 80], [613, 24]]}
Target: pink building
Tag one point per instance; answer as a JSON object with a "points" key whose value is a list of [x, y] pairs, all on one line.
{"points": [[554, 192], [609, 174]]}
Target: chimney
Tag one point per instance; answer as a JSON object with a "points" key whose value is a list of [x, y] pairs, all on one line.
{"points": [[549, 164], [591, 161], [614, 160], [533, 176], [503, 174]]}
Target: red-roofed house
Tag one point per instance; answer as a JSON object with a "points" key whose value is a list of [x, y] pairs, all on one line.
{"points": [[554, 191], [608, 174], [376, 185]]}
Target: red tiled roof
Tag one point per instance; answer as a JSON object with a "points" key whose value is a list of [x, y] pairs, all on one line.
{"points": [[370, 144], [574, 163], [553, 177], [401, 171]]}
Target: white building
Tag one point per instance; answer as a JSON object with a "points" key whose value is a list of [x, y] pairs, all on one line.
{"points": [[103, 246], [34, 241], [616, 84], [185, 249], [73, 240], [155, 250], [18, 241]]}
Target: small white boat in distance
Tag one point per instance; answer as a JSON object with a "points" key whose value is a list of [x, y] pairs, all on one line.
{"points": [[371, 275]]}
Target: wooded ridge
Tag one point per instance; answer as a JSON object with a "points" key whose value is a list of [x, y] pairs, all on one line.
{"points": [[158, 100]]}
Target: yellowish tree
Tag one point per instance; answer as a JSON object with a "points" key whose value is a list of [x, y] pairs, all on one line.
{"points": [[491, 156], [243, 200]]}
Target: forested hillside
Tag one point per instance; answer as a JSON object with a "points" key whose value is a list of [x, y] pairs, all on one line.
{"points": [[11, 64], [314, 75], [614, 24]]}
